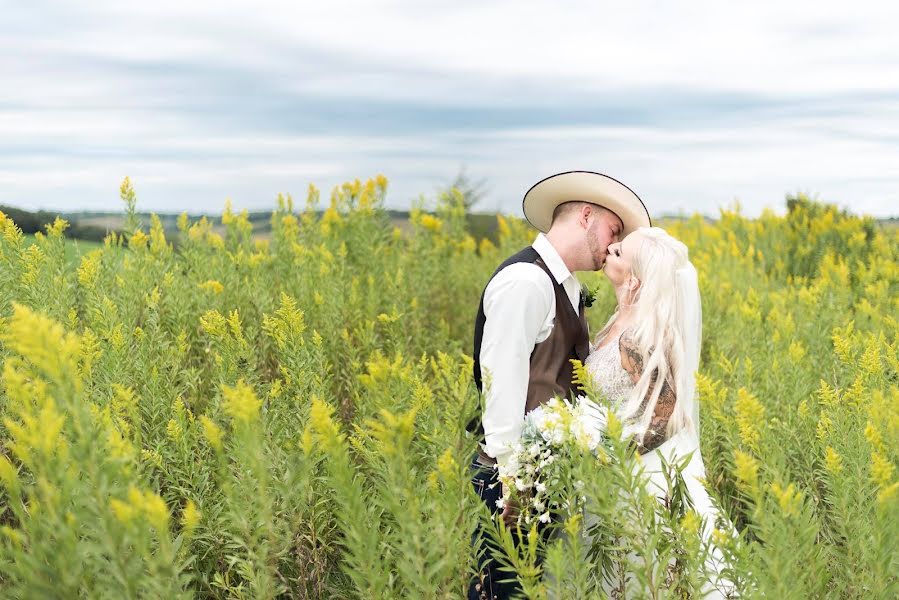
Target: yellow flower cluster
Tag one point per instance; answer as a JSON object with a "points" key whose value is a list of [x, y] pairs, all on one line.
{"points": [[9, 475], [788, 498], [842, 343], [394, 432], [202, 232], [241, 403], [330, 219], [690, 524], [191, 516], [37, 433], [797, 351], [287, 324], [212, 432], [141, 504], [211, 285], [217, 326], [57, 228], [832, 461], [32, 260], [321, 426], [380, 370], [152, 457], [746, 468], [431, 223], [240, 223], [158, 244], [870, 363], [10, 232], [49, 348], [881, 469], [213, 323], [138, 240], [89, 269], [750, 414]]}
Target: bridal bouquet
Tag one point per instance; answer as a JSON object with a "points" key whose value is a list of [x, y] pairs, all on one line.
{"points": [[536, 474]]}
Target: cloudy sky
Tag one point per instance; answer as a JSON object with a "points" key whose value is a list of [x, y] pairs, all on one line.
{"points": [[693, 104]]}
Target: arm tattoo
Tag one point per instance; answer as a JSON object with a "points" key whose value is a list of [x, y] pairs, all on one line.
{"points": [[631, 358], [632, 362], [658, 425]]}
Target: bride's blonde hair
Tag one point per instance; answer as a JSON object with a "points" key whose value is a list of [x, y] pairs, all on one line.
{"points": [[658, 331]]}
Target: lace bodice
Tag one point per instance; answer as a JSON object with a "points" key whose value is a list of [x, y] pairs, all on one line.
{"points": [[609, 377]]}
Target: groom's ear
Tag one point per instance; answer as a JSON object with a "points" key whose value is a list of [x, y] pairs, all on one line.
{"points": [[633, 284], [584, 215]]}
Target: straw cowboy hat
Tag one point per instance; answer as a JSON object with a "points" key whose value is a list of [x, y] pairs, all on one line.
{"points": [[586, 186]]}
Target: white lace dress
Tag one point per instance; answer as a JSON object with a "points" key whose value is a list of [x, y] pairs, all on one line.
{"points": [[604, 367], [609, 378]]}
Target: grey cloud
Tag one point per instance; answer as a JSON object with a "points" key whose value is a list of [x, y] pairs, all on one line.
{"points": [[416, 124]]}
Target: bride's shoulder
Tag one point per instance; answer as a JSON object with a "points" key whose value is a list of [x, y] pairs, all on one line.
{"points": [[626, 338]]}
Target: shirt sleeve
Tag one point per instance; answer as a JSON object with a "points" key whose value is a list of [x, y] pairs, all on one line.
{"points": [[517, 305]]}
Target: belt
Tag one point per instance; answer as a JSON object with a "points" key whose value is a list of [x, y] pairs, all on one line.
{"points": [[485, 459]]}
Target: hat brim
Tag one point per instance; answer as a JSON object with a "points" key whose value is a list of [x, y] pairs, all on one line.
{"points": [[541, 200]]}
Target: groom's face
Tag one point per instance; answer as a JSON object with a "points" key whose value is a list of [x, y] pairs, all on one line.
{"points": [[603, 231]]}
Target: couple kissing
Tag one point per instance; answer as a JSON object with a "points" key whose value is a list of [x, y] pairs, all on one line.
{"points": [[531, 325]]}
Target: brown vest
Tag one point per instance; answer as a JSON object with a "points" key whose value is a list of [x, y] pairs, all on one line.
{"points": [[551, 372]]}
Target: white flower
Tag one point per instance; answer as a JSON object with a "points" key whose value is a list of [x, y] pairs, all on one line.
{"points": [[511, 467], [540, 486], [521, 485], [501, 503], [535, 419], [544, 518]]}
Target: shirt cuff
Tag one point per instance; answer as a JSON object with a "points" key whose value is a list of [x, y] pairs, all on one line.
{"points": [[501, 456]]}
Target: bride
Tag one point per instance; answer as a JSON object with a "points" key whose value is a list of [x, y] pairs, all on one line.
{"points": [[645, 358]]}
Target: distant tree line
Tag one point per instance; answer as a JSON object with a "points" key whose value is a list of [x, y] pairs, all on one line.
{"points": [[480, 225], [32, 222]]}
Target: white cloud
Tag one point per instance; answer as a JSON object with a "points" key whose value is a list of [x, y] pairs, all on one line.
{"points": [[692, 103]]}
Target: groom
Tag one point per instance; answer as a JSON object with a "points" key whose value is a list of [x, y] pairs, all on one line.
{"points": [[531, 324]]}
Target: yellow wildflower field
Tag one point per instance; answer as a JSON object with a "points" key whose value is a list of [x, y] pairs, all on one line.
{"points": [[220, 416]]}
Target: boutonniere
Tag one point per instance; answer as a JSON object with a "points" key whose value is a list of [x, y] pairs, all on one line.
{"points": [[588, 296]]}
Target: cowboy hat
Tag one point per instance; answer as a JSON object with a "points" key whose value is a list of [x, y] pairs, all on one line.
{"points": [[586, 186]]}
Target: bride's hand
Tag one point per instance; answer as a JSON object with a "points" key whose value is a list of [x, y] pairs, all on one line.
{"points": [[510, 512]]}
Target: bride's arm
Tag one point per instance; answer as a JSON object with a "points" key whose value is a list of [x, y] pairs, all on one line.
{"points": [[632, 362]]}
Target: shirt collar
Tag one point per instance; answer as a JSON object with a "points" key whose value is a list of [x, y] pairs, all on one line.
{"points": [[552, 259]]}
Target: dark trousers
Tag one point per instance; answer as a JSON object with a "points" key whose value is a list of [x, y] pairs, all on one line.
{"points": [[489, 585]]}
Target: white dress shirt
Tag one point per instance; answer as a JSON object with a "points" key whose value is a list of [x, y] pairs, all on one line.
{"points": [[520, 309]]}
